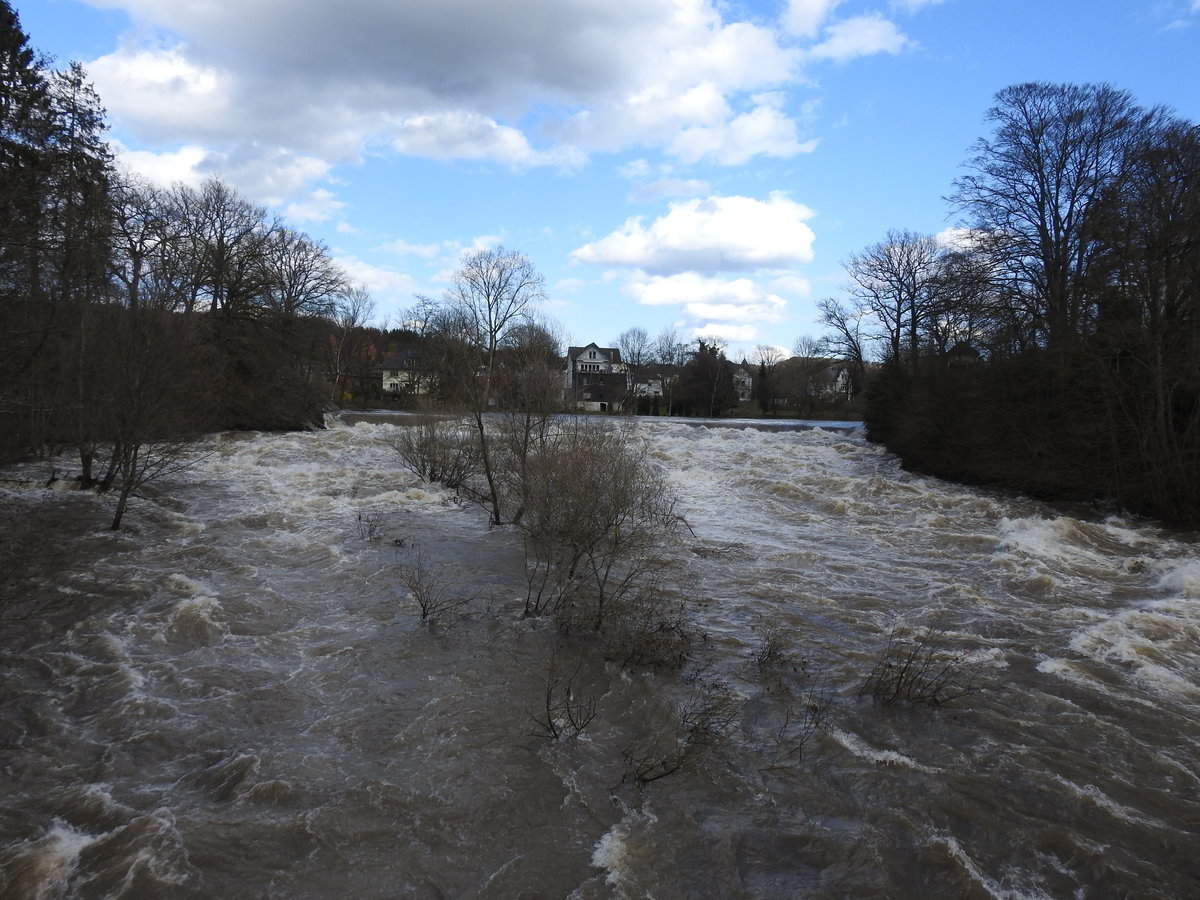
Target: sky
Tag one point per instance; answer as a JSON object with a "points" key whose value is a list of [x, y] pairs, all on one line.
{"points": [[701, 165]]}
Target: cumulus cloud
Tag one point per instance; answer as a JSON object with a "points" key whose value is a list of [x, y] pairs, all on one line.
{"points": [[183, 165], [734, 309], [466, 135], [392, 290], [710, 235], [160, 94], [547, 83], [319, 206], [764, 130], [859, 36], [738, 334], [804, 18], [459, 78], [341, 72]]}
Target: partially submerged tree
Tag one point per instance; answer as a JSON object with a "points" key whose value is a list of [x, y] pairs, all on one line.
{"points": [[596, 515], [492, 297]]}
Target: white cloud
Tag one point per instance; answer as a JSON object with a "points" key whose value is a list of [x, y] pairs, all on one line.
{"points": [[804, 18], [730, 308], [319, 206], [640, 168], [161, 94], [791, 285], [391, 290], [402, 247], [859, 36], [719, 233], [468, 135], [182, 165], [310, 80], [764, 130], [740, 334], [447, 80]]}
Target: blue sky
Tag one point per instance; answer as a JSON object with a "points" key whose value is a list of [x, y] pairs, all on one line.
{"points": [[705, 165]]}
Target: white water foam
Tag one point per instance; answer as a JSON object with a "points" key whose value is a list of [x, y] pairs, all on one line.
{"points": [[863, 750]]}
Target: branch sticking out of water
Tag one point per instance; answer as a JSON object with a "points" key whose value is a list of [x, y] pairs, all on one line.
{"points": [[707, 715], [919, 670], [564, 713], [428, 588]]}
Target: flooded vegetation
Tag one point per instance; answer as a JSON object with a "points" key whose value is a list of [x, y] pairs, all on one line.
{"points": [[238, 695]]}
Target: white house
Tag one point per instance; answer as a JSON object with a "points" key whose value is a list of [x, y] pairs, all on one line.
{"points": [[398, 374], [595, 378]]}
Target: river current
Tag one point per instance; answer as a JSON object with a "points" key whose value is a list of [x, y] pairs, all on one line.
{"points": [[234, 696]]}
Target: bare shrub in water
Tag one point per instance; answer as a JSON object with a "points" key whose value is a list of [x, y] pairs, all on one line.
{"points": [[596, 514], [802, 719], [564, 712], [917, 669], [439, 453], [646, 627], [370, 526], [428, 587], [771, 650], [806, 710], [705, 716]]}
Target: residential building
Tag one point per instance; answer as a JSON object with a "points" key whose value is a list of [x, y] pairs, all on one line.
{"points": [[399, 375], [595, 378]]}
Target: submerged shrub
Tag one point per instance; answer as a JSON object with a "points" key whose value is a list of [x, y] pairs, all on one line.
{"points": [[439, 452], [428, 587], [564, 712], [693, 727], [917, 669], [596, 513]]}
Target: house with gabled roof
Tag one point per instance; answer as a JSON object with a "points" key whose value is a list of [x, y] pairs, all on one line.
{"points": [[399, 375], [595, 378]]}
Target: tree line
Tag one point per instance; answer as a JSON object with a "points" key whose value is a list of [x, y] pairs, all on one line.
{"points": [[1053, 346], [133, 317]]}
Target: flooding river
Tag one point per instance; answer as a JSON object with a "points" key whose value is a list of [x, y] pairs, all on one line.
{"points": [[235, 697]]}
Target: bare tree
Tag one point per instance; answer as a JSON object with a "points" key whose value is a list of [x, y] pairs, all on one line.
{"points": [[671, 352], [596, 513], [564, 712], [352, 308], [1055, 148], [767, 384], [808, 364], [636, 351], [299, 276], [152, 416], [846, 339], [491, 294], [896, 279]]}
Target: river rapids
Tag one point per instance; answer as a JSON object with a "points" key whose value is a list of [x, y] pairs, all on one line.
{"points": [[235, 696]]}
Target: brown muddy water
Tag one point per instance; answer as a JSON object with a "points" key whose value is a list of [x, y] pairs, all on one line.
{"points": [[235, 698]]}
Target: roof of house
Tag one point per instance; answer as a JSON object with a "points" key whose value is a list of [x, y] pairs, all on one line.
{"points": [[402, 360], [613, 353]]}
